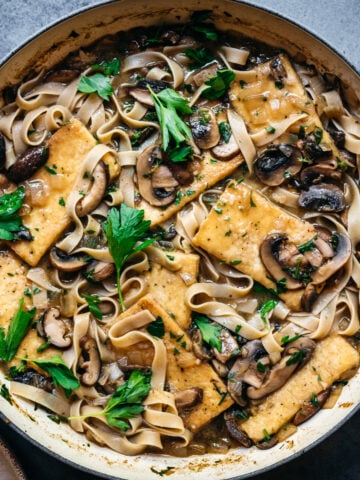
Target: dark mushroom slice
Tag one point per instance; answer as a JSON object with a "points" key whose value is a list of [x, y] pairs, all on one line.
{"points": [[310, 407], [188, 398], [312, 149], [295, 355], [89, 362], [28, 163], [309, 297], [64, 262], [342, 255], [319, 173], [267, 443], [221, 369], [233, 425], [229, 347], [277, 163], [2, 151], [55, 329], [35, 379], [141, 92], [245, 371], [269, 252], [277, 69], [96, 192], [98, 271], [199, 348], [204, 128], [155, 182], [226, 150], [203, 74]]}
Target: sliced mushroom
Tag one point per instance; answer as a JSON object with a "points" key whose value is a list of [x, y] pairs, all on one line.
{"points": [[319, 173], [269, 251], [188, 398], [277, 163], [342, 255], [245, 371], [35, 379], [66, 263], [310, 407], [309, 297], [99, 271], [229, 347], [267, 443], [201, 76], [233, 425], [141, 92], [62, 75], [198, 346], [221, 369], [277, 69], [226, 151], [295, 355], [96, 191], [89, 361], [55, 329], [28, 163], [313, 149], [146, 169], [204, 128]]}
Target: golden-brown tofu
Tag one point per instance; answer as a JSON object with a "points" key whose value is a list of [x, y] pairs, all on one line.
{"points": [[264, 101], [237, 226], [332, 360], [48, 218], [184, 370], [169, 287], [209, 172]]}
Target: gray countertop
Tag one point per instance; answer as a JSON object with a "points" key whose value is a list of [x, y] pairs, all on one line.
{"points": [[337, 23]]}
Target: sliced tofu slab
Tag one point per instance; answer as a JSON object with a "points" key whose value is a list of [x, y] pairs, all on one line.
{"points": [[46, 221], [184, 370], [263, 101], [209, 172], [237, 226], [48, 218], [169, 287], [332, 360]]}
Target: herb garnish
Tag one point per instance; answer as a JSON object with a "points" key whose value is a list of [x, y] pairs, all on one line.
{"points": [[175, 133], [93, 302], [318, 134], [162, 472], [100, 83], [225, 131], [156, 328], [285, 340], [59, 372], [125, 227], [197, 24], [125, 402], [309, 245], [210, 332], [266, 308], [219, 84], [314, 400], [16, 332], [10, 221], [296, 357], [199, 56], [4, 392]]}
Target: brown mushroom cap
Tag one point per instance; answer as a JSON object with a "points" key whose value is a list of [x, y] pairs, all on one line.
{"points": [[188, 398], [310, 407], [276, 162], [28, 163], [204, 128], [233, 425], [148, 171], [96, 191], [64, 262], [324, 197], [99, 271], [55, 329], [268, 252], [342, 255], [89, 361], [226, 150]]}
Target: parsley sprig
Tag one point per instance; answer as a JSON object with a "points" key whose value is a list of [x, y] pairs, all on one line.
{"points": [[58, 371], [125, 402], [10, 220], [210, 332], [218, 85], [18, 328], [100, 83], [174, 131], [124, 228], [93, 302]]}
